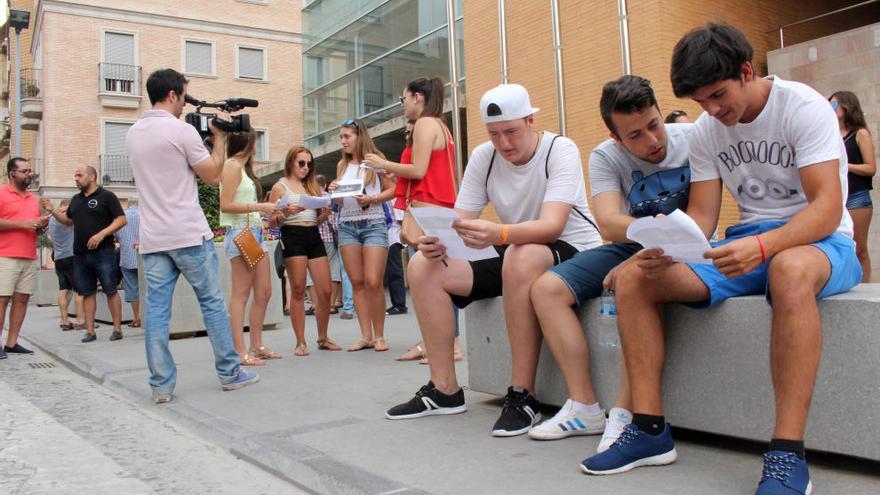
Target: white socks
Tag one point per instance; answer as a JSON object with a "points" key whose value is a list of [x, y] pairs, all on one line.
{"points": [[585, 409]]}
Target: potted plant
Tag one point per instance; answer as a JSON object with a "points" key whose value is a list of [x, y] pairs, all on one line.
{"points": [[31, 90]]}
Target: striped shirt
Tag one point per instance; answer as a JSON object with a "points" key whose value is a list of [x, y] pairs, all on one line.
{"points": [[128, 237]]}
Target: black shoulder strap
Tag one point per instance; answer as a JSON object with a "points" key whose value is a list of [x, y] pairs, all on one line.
{"points": [[547, 174], [489, 170]]}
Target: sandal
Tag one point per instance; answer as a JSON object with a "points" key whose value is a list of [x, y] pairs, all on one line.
{"points": [[301, 350], [360, 345], [379, 345], [135, 324], [264, 352], [413, 353], [248, 360], [328, 345], [456, 356], [69, 326]]}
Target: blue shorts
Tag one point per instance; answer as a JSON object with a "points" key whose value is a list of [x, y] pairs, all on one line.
{"points": [[130, 284], [585, 272], [230, 247], [846, 272], [367, 233], [860, 199], [96, 265]]}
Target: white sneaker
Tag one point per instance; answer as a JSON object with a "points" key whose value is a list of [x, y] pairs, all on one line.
{"points": [[568, 422], [618, 418]]}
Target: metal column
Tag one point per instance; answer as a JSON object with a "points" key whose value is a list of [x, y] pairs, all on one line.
{"points": [[502, 41], [17, 76], [453, 75], [557, 49]]}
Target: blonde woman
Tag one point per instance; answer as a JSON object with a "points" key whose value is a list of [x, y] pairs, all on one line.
{"points": [[363, 235], [239, 210], [303, 248]]}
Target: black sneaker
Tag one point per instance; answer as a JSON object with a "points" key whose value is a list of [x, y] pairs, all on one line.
{"points": [[90, 337], [310, 311], [396, 310], [428, 402], [17, 349], [2, 354], [116, 335], [519, 414]]}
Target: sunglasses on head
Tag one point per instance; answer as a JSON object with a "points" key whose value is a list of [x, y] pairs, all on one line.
{"points": [[349, 122], [834, 105], [303, 163]]}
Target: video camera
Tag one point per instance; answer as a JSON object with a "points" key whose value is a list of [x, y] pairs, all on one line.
{"points": [[238, 123]]}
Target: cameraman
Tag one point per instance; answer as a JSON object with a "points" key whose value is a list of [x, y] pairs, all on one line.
{"points": [[166, 155]]}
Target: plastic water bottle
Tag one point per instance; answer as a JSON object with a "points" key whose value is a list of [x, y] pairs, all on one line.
{"points": [[608, 337]]}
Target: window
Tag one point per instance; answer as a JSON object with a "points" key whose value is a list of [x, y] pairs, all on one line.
{"points": [[118, 68], [251, 63], [262, 153], [115, 168], [314, 72], [198, 57]]}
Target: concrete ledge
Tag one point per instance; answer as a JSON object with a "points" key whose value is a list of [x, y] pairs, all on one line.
{"points": [[717, 374]]}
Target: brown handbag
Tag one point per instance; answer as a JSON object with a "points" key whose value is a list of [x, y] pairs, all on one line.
{"points": [[248, 246], [409, 228]]}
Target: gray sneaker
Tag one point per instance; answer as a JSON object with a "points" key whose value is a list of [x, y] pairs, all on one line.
{"points": [[244, 379], [2, 353], [160, 396], [116, 335]]}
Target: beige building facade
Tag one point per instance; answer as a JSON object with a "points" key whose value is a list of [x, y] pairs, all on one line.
{"points": [[591, 42], [91, 59]]}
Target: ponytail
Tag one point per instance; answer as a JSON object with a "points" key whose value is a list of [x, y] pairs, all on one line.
{"points": [[432, 91]]}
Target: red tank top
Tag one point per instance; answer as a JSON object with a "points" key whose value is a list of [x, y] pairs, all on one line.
{"points": [[437, 187]]}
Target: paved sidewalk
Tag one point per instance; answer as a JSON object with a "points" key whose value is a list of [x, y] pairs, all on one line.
{"points": [[319, 421]]}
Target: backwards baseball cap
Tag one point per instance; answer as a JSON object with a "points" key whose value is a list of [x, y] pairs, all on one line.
{"points": [[506, 102]]}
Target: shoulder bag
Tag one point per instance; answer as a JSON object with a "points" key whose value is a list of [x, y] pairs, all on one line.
{"points": [[248, 246]]}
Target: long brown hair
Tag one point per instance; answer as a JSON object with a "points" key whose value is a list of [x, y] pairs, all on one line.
{"points": [[432, 92], [853, 118], [243, 145], [364, 145], [308, 182]]}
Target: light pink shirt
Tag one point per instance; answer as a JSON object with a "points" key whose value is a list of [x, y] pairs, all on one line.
{"points": [[162, 149]]}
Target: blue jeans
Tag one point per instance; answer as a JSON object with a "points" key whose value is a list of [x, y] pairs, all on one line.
{"points": [[198, 265], [347, 291]]}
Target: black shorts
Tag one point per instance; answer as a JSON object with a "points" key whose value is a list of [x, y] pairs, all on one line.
{"points": [[64, 271], [487, 273], [302, 241]]}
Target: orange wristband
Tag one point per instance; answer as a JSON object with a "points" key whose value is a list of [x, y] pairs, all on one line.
{"points": [[761, 245], [504, 233]]}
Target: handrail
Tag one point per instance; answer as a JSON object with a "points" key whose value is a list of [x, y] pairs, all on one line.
{"points": [[826, 14]]}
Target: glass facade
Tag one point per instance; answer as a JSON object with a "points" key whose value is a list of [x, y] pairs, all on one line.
{"points": [[359, 55]]}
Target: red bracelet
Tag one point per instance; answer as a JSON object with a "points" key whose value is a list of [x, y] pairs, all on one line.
{"points": [[761, 245]]}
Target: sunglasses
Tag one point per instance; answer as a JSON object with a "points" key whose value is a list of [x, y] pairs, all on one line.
{"points": [[349, 122], [834, 105], [402, 100], [303, 163]]}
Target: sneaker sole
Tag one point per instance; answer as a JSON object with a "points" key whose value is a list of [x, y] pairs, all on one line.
{"points": [[236, 386], [537, 435], [514, 433], [443, 411], [656, 460]]}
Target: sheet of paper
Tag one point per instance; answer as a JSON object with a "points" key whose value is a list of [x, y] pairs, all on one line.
{"points": [[364, 166], [347, 188], [677, 234], [283, 201], [313, 202], [437, 222]]}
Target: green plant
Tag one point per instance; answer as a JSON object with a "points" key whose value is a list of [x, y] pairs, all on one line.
{"points": [[31, 90], [209, 200]]}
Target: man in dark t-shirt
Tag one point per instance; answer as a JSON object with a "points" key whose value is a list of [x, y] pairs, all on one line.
{"points": [[95, 214]]}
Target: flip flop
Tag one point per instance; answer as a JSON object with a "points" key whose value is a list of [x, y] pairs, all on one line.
{"points": [[328, 345], [413, 353], [360, 345], [302, 350], [264, 352], [379, 345], [248, 360], [69, 326]]}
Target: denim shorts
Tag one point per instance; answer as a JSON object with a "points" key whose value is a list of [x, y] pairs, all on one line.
{"points": [[231, 249], [860, 199], [96, 265], [367, 233], [846, 272], [585, 272], [130, 284]]}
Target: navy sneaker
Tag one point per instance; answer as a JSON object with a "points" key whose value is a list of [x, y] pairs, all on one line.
{"points": [[634, 448], [244, 379], [784, 474]]}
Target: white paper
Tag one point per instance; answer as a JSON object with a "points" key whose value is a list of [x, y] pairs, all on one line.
{"points": [[347, 188], [677, 234], [283, 201], [313, 202], [437, 222], [364, 166]]}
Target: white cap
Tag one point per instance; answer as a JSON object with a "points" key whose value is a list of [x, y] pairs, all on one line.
{"points": [[506, 102]]}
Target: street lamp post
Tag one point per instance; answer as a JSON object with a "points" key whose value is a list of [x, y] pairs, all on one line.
{"points": [[18, 19]]}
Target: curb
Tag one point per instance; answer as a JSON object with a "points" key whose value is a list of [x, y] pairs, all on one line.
{"points": [[305, 467]]}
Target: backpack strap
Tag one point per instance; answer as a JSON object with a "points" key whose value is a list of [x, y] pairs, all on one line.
{"points": [[547, 175]]}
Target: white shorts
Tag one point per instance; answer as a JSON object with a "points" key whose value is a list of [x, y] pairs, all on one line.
{"points": [[17, 275]]}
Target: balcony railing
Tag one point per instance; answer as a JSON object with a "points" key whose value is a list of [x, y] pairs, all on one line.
{"points": [[119, 79], [116, 170], [37, 168], [30, 83]]}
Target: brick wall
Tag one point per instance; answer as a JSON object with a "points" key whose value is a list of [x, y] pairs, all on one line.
{"points": [[592, 56]]}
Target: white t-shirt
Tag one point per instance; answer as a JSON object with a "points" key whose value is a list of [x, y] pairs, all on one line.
{"points": [[759, 161], [647, 188], [518, 192], [351, 210]]}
